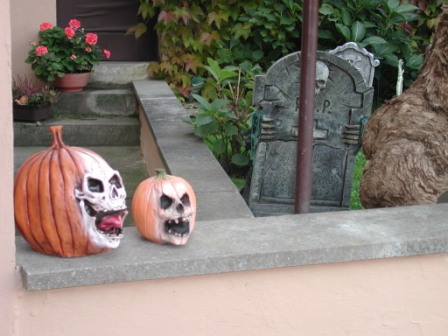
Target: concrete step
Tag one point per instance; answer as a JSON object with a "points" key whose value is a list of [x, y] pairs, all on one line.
{"points": [[93, 131], [127, 160], [118, 73], [110, 101], [109, 92]]}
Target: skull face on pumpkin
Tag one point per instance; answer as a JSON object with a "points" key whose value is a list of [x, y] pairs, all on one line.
{"points": [[68, 201], [102, 201], [164, 209], [175, 216]]}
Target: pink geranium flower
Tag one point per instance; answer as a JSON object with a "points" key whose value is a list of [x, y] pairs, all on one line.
{"points": [[46, 25], [41, 50], [106, 53], [70, 32], [67, 49], [75, 24], [91, 38]]}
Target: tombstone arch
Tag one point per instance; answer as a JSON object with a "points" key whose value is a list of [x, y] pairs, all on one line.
{"points": [[343, 99]]}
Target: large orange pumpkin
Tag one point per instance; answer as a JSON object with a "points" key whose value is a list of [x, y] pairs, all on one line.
{"points": [[68, 201], [164, 209]]}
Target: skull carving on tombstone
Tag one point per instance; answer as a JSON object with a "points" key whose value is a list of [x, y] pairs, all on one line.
{"points": [[322, 73], [164, 209], [68, 201]]}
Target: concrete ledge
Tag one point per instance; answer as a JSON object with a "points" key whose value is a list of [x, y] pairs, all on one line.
{"points": [[227, 237], [185, 155], [250, 244]]}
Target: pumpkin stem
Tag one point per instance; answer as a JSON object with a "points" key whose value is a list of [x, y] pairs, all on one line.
{"points": [[56, 131], [161, 174]]}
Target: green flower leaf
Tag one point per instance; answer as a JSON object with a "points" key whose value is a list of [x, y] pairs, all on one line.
{"points": [[358, 31]]}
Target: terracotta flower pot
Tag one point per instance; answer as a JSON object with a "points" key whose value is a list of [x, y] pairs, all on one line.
{"points": [[72, 82]]}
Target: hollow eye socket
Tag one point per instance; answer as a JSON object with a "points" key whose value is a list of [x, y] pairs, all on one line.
{"points": [[95, 185], [165, 201], [115, 180], [185, 199]]}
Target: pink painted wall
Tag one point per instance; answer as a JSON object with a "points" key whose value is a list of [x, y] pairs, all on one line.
{"points": [[7, 249], [27, 16], [388, 297]]}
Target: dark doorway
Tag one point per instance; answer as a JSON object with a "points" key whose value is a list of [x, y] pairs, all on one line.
{"points": [[110, 19]]}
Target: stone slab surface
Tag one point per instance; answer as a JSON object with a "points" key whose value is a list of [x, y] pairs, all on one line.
{"points": [[250, 244]]}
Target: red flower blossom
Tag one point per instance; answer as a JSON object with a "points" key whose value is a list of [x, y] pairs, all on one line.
{"points": [[88, 49], [46, 25], [106, 53], [91, 38], [72, 56], [41, 50], [75, 24], [70, 32]]}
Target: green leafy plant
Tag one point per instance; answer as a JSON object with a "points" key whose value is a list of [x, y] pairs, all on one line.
{"points": [[224, 111], [360, 161], [63, 50], [384, 27], [265, 30], [31, 93], [188, 32]]}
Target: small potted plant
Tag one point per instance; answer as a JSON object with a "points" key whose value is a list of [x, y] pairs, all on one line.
{"points": [[31, 100], [65, 52]]}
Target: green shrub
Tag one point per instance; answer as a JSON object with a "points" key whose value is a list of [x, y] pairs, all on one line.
{"points": [[224, 110], [382, 27], [264, 31]]}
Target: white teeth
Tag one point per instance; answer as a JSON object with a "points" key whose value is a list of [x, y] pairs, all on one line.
{"points": [[179, 234]]}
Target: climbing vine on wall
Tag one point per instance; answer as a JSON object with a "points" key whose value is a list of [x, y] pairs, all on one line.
{"points": [[262, 31]]}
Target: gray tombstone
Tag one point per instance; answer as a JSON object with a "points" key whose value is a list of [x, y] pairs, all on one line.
{"points": [[343, 98]]}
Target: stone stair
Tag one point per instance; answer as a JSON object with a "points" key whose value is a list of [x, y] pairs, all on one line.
{"points": [[103, 118]]}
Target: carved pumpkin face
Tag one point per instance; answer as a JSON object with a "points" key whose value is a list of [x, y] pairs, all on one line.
{"points": [[68, 201], [164, 209]]}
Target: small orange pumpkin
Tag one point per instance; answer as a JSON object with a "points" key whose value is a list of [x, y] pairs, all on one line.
{"points": [[164, 209], [68, 201]]}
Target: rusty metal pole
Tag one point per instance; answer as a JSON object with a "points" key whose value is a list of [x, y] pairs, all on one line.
{"points": [[306, 107]]}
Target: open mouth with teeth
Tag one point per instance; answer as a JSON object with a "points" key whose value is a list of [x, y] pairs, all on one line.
{"points": [[178, 227], [108, 223]]}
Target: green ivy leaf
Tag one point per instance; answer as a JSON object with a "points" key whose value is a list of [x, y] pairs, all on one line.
{"points": [[344, 30], [240, 159], [358, 31], [404, 8], [202, 120], [231, 130], [326, 9], [202, 101], [346, 17], [220, 146], [372, 40], [415, 62]]}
